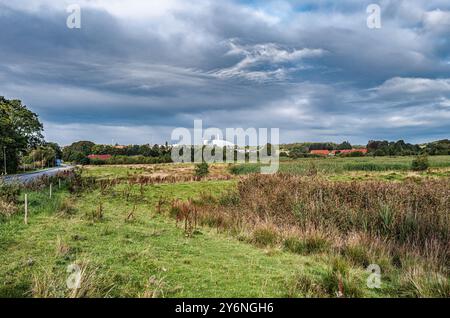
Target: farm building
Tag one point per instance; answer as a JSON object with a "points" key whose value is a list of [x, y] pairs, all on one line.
{"points": [[336, 152], [362, 150], [320, 152], [99, 157]]}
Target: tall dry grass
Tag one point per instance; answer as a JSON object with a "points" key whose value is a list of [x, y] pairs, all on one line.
{"points": [[415, 213], [403, 227]]}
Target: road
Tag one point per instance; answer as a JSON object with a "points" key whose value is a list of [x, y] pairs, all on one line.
{"points": [[28, 177]]}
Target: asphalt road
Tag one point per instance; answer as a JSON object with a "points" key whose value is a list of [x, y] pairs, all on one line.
{"points": [[28, 177]]}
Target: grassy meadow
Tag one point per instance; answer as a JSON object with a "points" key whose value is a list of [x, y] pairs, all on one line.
{"points": [[346, 164], [311, 231]]}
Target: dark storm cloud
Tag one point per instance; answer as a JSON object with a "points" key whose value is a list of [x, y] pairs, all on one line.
{"points": [[312, 68]]}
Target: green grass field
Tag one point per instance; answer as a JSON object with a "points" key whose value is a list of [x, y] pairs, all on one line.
{"points": [[345, 166], [127, 249], [147, 256]]}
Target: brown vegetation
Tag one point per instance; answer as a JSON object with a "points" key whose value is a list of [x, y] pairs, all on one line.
{"points": [[396, 225]]}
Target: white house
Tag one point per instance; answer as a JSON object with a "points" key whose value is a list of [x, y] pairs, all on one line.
{"points": [[218, 143]]}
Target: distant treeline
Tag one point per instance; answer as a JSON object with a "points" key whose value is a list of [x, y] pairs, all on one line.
{"points": [[83, 152], [374, 147], [78, 152], [129, 160]]}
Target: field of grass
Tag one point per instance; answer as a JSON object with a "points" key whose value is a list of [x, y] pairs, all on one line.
{"points": [[129, 239], [337, 168], [144, 256]]}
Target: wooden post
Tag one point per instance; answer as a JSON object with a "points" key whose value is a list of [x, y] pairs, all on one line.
{"points": [[59, 183], [50, 190], [26, 209]]}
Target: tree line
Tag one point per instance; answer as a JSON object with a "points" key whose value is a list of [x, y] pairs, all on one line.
{"points": [[79, 152], [374, 148]]}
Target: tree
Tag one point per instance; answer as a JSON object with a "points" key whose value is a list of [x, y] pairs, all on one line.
{"points": [[441, 147], [201, 170], [56, 148], [20, 130], [77, 150], [43, 156], [345, 146], [420, 163], [322, 146]]}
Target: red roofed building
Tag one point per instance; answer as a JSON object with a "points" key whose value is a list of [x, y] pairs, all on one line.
{"points": [[336, 152], [320, 152], [362, 150], [100, 157]]}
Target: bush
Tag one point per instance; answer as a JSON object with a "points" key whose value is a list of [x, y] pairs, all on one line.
{"points": [[201, 170], [420, 163], [416, 283], [340, 282], [264, 236], [97, 162], [353, 154], [7, 209], [306, 286], [85, 161], [357, 254], [310, 244], [9, 192], [294, 245], [230, 198], [245, 169]]}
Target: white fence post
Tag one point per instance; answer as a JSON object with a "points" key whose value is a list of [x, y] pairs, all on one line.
{"points": [[26, 209]]}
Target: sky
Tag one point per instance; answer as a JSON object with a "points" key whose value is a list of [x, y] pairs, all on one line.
{"points": [[137, 69]]}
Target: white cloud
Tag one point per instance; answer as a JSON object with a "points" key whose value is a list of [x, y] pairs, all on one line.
{"points": [[414, 85], [267, 55], [437, 20]]}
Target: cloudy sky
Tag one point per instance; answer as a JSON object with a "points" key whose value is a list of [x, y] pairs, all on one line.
{"points": [[139, 68]]}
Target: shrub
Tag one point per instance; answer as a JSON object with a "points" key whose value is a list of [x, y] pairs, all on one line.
{"points": [[245, 169], [416, 283], [230, 198], [67, 207], [201, 170], [85, 161], [340, 282], [294, 245], [97, 214], [9, 192], [358, 254], [353, 154], [420, 163], [264, 235], [7, 209], [305, 286], [312, 169], [310, 244], [316, 244]]}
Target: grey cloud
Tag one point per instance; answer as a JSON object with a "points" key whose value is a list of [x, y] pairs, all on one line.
{"points": [[312, 68]]}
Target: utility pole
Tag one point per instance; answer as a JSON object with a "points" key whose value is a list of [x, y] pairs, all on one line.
{"points": [[4, 159]]}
